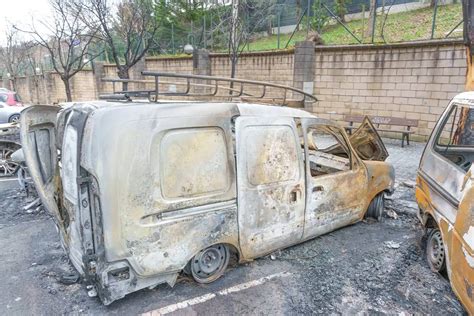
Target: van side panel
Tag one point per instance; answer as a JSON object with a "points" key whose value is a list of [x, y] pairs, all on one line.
{"points": [[156, 215]]}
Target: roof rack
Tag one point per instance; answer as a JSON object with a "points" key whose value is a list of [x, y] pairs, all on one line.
{"points": [[200, 86]]}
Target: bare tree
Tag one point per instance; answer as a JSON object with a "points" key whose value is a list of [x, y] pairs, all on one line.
{"points": [[240, 21], [14, 55], [129, 30], [68, 41]]}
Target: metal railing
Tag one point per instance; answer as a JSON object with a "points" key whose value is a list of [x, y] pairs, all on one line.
{"points": [[211, 88]]}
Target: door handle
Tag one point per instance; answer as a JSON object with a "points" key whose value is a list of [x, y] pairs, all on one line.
{"points": [[295, 195], [318, 188]]}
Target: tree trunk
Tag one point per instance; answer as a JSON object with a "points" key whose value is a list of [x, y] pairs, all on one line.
{"points": [[270, 27], [67, 87], [341, 12], [233, 69], [233, 41], [123, 73], [13, 83], [372, 12], [35, 78], [298, 12]]}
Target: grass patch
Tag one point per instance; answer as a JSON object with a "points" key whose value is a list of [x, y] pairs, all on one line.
{"points": [[399, 27]]}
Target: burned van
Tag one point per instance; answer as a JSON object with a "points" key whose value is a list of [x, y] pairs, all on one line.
{"points": [[142, 191], [445, 195]]}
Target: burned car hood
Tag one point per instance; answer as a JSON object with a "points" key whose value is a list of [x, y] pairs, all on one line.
{"points": [[366, 142]]}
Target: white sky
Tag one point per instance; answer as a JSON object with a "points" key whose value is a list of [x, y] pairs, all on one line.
{"points": [[20, 13]]}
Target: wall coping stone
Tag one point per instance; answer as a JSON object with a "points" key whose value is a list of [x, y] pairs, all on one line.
{"points": [[424, 43], [414, 44]]}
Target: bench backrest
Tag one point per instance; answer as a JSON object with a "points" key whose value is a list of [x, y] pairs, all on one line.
{"points": [[384, 120]]}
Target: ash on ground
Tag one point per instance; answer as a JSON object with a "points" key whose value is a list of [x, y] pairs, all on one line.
{"points": [[369, 267]]}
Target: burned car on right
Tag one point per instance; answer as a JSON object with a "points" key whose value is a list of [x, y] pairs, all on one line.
{"points": [[445, 196]]}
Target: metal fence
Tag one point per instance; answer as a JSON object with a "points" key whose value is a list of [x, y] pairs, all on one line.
{"points": [[290, 14]]}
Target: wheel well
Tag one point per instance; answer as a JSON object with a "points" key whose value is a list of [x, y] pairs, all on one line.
{"points": [[430, 222], [234, 251], [15, 114]]}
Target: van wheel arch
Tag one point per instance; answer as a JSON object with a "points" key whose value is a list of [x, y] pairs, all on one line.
{"points": [[376, 206]]}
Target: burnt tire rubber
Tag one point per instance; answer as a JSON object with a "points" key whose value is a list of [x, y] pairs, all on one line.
{"points": [[435, 251], [14, 118], [376, 207], [210, 263]]}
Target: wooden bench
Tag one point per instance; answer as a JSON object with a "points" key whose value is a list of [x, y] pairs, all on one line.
{"points": [[384, 120]]}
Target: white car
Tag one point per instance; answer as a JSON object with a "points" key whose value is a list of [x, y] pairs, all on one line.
{"points": [[9, 114]]}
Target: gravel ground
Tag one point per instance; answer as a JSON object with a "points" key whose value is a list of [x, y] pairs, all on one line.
{"points": [[369, 267]]}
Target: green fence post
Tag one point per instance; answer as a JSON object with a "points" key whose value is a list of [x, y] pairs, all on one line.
{"points": [[279, 19]]}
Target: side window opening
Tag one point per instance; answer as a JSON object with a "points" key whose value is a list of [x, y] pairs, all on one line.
{"points": [[193, 163], [328, 153], [455, 140]]}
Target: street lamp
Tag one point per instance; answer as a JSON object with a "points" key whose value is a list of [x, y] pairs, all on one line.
{"points": [[188, 49]]}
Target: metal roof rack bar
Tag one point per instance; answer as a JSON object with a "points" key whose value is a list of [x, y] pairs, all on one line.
{"points": [[213, 85]]}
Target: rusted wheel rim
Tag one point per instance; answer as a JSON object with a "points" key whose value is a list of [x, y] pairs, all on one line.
{"points": [[376, 207], [7, 166], [436, 255], [209, 264]]}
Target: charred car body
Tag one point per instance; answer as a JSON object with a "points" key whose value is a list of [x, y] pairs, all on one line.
{"points": [[445, 195], [143, 191]]}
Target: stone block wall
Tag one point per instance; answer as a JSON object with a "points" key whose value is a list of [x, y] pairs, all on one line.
{"points": [[407, 80], [413, 81]]}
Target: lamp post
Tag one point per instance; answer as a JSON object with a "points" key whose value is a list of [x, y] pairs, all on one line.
{"points": [[188, 49]]}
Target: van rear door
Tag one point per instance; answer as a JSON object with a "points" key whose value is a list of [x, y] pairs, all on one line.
{"points": [[38, 139]]}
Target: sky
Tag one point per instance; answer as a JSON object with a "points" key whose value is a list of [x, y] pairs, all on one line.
{"points": [[20, 12]]}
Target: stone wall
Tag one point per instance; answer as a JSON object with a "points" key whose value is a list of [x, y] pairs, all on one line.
{"points": [[412, 80]]}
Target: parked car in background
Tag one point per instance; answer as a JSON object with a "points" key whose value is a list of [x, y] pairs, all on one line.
{"points": [[9, 143], [445, 195], [11, 98], [9, 114]]}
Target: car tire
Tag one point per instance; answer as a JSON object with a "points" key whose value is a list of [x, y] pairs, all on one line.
{"points": [[376, 207], [14, 118], [209, 264], [435, 251]]}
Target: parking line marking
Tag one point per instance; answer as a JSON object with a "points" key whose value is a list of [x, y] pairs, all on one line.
{"points": [[209, 296], [8, 179]]}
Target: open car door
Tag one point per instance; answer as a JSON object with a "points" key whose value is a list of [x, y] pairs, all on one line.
{"points": [[38, 138], [366, 142]]}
